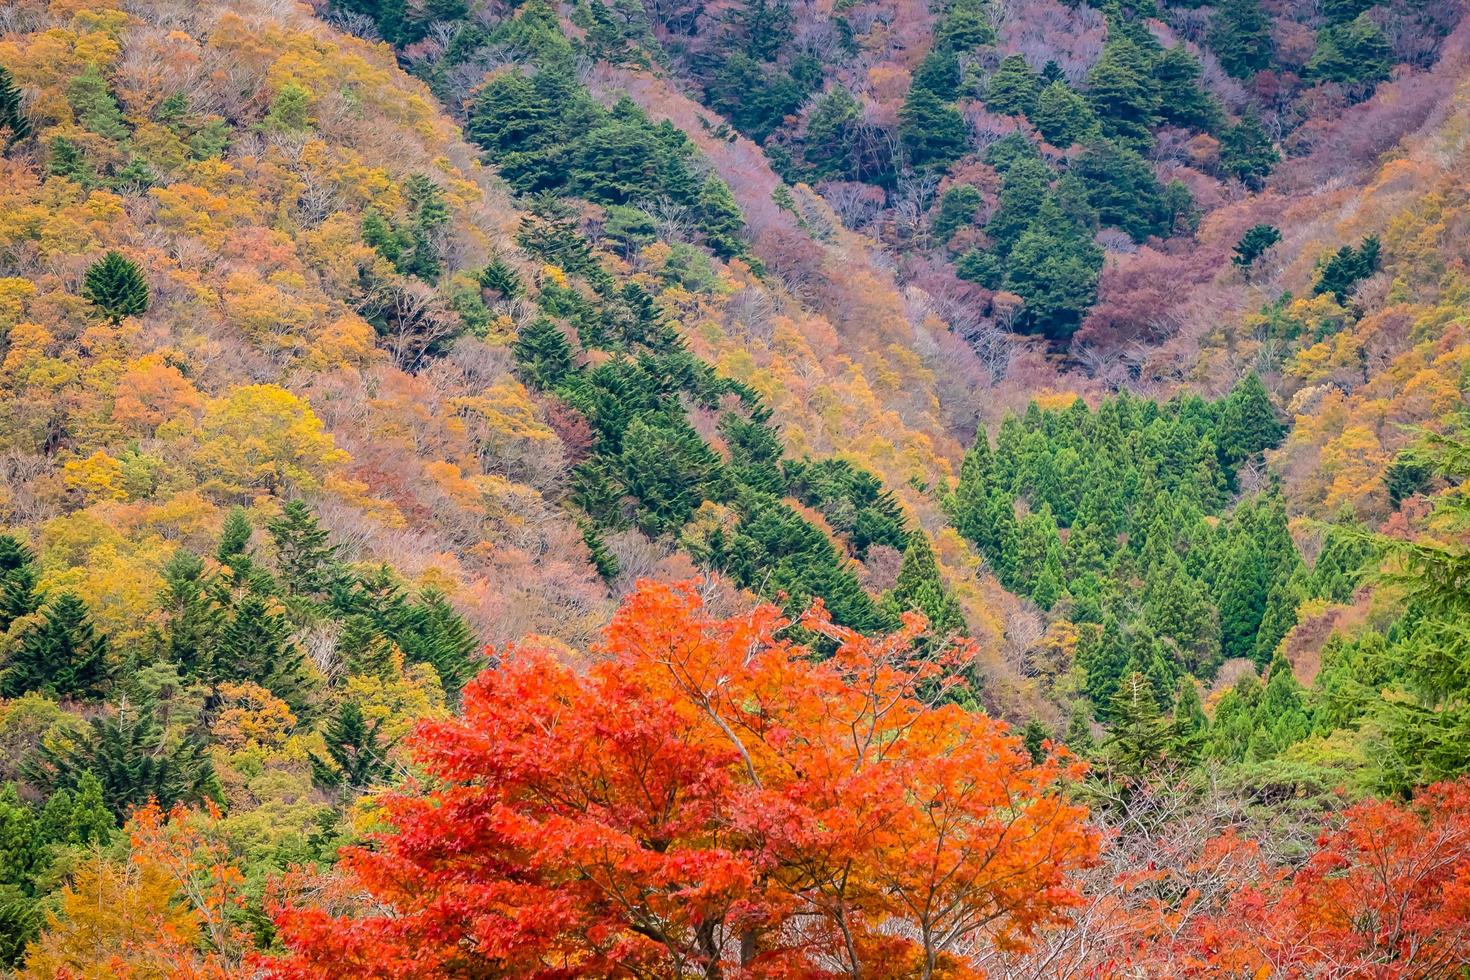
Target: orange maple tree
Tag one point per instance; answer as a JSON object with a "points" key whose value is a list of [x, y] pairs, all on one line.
{"points": [[708, 800], [1386, 894]]}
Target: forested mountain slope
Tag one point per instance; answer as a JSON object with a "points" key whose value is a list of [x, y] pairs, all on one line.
{"points": [[1052, 419]]}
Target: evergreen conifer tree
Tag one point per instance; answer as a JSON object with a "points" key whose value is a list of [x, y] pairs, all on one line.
{"points": [[18, 596], [114, 285], [356, 756], [63, 655], [306, 561], [1138, 735], [12, 113], [1240, 36], [543, 353], [1064, 117], [1014, 88]]}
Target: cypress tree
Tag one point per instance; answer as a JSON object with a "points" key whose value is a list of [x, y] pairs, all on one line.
{"points": [[18, 596], [1240, 36], [1247, 423], [357, 756], [1138, 736], [919, 587], [306, 561], [1190, 727], [114, 285], [63, 655], [1013, 89], [1063, 116], [543, 353], [12, 115]]}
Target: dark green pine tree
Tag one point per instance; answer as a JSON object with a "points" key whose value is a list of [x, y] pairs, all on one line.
{"points": [[430, 215], [1013, 89], [1054, 268], [1121, 189], [1247, 153], [720, 219], [920, 588], [1123, 90], [1139, 735], [18, 596], [115, 286], [831, 145], [1183, 100], [1190, 727], [1063, 117], [932, 133], [956, 210], [1346, 268], [667, 469], [1247, 423], [1355, 53], [356, 756], [544, 354], [130, 755], [255, 645], [1022, 192], [436, 635], [1034, 736], [498, 277], [12, 113], [1256, 242], [194, 615], [63, 655], [306, 561], [1240, 36]]}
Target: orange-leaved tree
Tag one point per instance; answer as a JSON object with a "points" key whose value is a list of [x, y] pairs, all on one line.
{"points": [[708, 800], [1385, 894]]}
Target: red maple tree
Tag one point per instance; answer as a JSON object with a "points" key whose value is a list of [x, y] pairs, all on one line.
{"points": [[709, 800]]}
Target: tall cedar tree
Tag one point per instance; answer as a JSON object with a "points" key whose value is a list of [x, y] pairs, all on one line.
{"points": [[63, 655], [115, 286], [12, 114]]}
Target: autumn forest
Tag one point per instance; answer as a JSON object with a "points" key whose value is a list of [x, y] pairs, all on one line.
{"points": [[734, 489]]}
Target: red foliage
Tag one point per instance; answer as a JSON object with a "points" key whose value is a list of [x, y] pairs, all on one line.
{"points": [[1385, 895], [706, 801]]}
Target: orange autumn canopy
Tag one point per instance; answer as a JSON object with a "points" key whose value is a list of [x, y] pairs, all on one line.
{"points": [[706, 801]]}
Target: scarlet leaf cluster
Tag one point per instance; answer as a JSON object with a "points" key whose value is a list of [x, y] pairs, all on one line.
{"points": [[709, 800], [1386, 894]]}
